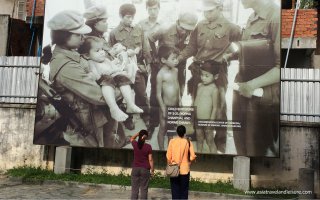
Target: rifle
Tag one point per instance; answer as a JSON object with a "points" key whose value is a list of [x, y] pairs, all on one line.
{"points": [[65, 110]]}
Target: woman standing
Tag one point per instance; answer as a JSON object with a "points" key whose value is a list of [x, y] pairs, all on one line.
{"points": [[180, 151], [142, 166]]}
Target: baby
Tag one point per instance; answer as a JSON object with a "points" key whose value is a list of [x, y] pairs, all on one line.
{"points": [[110, 75], [123, 61], [207, 103]]}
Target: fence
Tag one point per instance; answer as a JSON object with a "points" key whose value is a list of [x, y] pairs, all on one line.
{"points": [[300, 95], [300, 88], [19, 79]]}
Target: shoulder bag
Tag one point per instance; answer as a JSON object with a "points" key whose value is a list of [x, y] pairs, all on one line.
{"points": [[173, 170]]}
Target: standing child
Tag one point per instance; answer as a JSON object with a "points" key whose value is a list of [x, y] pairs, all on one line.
{"points": [[109, 76], [168, 91], [206, 103]]}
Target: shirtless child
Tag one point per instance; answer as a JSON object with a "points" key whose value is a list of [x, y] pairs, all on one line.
{"points": [[109, 76], [167, 88], [206, 103]]}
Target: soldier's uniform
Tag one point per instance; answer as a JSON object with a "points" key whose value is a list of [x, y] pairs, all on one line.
{"points": [[209, 41], [148, 29], [133, 37], [93, 15], [260, 121], [69, 74], [170, 37]]}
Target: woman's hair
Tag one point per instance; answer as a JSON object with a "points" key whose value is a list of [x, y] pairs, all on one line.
{"points": [[181, 130], [87, 44], [46, 54], [91, 24], [59, 38], [140, 139]]}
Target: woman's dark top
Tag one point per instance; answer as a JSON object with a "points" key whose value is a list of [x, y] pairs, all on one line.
{"points": [[141, 156]]}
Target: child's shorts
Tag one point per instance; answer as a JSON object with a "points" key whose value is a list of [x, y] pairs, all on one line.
{"points": [[116, 81]]}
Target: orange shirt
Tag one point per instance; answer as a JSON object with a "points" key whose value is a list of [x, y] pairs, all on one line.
{"points": [[175, 151]]}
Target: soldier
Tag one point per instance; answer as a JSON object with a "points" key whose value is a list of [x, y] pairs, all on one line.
{"points": [[177, 36], [209, 41], [70, 76], [96, 18], [149, 26], [260, 121], [132, 37]]}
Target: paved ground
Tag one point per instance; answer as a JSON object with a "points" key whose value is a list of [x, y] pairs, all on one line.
{"points": [[17, 189]]}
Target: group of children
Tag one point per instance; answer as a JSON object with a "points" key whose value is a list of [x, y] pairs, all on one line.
{"points": [[206, 101], [116, 72], [114, 68]]}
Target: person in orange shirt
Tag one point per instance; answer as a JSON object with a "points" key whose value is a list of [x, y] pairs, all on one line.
{"points": [[180, 150]]}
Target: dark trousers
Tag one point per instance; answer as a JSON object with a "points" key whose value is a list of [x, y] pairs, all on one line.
{"points": [[260, 126], [154, 104], [182, 75], [141, 98], [139, 181], [220, 139], [180, 186]]}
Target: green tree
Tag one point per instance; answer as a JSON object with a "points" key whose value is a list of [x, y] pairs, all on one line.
{"points": [[309, 4]]}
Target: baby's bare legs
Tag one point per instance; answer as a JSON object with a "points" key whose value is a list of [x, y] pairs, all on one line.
{"points": [[200, 139], [109, 95], [127, 95], [210, 140], [162, 131]]}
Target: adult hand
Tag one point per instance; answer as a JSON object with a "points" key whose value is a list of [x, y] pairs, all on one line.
{"points": [[131, 52], [245, 89], [227, 57], [137, 50], [148, 68]]}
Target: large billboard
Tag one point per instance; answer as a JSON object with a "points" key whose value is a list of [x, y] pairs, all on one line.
{"points": [[111, 68]]}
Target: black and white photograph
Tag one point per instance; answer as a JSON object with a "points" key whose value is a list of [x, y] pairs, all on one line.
{"points": [[111, 68]]}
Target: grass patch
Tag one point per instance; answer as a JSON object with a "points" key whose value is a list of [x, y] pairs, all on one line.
{"points": [[28, 173]]}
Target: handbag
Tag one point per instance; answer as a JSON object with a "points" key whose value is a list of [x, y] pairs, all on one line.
{"points": [[257, 56], [173, 170]]}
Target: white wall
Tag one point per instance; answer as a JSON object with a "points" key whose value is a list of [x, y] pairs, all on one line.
{"points": [[6, 7]]}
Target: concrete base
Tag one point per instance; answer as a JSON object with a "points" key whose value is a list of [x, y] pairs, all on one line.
{"points": [[241, 172], [316, 61], [306, 183], [62, 160]]}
